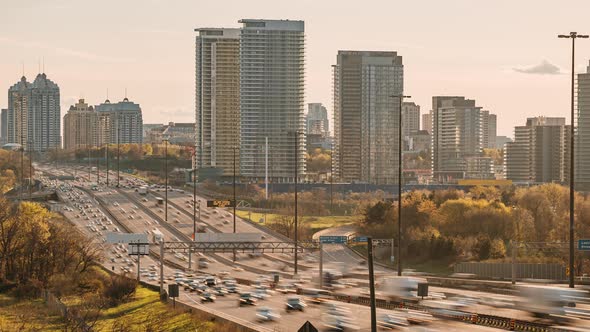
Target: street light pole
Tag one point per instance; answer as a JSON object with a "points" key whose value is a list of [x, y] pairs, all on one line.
{"points": [[400, 97], [235, 203], [573, 36], [166, 171], [107, 153], [296, 174], [118, 152], [31, 171]]}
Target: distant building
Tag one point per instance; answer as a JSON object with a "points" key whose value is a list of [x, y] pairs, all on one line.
{"points": [[80, 126], [427, 122], [34, 119], [488, 123], [147, 128], [420, 141], [501, 141], [479, 168], [457, 135], [582, 143], [410, 119], [122, 122], [317, 127], [539, 152], [217, 113], [366, 117], [177, 133], [3, 126], [272, 87]]}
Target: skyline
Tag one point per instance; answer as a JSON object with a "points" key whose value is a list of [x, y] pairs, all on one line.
{"points": [[152, 55]]}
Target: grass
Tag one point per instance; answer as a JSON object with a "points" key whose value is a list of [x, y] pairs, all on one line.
{"points": [[317, 223], [27, 315], [144, 312]]}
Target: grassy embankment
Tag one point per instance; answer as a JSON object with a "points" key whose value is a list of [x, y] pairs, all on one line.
{"points": [[144, 311]]}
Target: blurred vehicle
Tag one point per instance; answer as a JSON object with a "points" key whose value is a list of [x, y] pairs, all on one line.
{"points": [[157, 236], [247, 299], [548, 301], [207, 297], [295, 303], [219, 291], [400, 288], [266, 314], [392, 321], [316, 295]]}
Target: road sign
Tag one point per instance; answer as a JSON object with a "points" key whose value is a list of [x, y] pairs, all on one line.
{"points": [[360, 239], [114, 237], [307, 327], [332, 239], [173, 290], [228, 237], [138, 249], [220, 203], [584, 244]]}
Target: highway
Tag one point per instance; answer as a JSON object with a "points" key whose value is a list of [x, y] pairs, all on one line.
{"points": [[132, 212]]}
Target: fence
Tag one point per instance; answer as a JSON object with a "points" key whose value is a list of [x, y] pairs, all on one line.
{"points": [[504, 270]]}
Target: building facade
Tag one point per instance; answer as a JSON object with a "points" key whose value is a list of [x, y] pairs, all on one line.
{"points": [[457, 135], [427, 122], [410, 119], [488, 129], [317, 129], [272, 84], [217, 120], [176, 133], [3, 126], [582, 143], [366, 117], [539, 152], [80, 126], [34, 119], [120, 122]]}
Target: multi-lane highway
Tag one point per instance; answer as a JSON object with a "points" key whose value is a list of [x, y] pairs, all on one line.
{"points": [[125, 210]]}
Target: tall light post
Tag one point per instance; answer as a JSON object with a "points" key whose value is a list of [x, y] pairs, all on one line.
{"points": [[107, 154], [195, 197], [97, 164], [118, 152], [234, 189], [400, 97], [573, 36], [31, 170], [166, 175], [296, 175]]}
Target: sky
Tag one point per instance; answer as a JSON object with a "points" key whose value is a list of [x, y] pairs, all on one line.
{"points": [[504, 54]]}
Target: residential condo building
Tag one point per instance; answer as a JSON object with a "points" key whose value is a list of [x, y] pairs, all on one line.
{"points": [[217, 116], [410, 119], [33, 118], [272, 84], [119, 122], [582, 142], [366, 117], [80, 126]]}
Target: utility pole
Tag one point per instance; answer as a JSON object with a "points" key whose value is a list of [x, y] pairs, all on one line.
{"points": [[31, 171], [194, 205], [166, 171], [118, 152], [266, 168], [573, 36], [235, 202], [107, 154], [400, 98], [296, 182], [372, 285]]}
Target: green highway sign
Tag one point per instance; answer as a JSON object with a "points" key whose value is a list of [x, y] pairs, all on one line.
{"points": [[584, 244], [331, 239], [220, 203]]}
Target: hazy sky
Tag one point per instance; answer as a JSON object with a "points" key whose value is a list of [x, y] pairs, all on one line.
{"points": [[503, 54]]}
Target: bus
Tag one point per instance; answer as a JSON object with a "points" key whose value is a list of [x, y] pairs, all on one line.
{"points": [[142, 190]]}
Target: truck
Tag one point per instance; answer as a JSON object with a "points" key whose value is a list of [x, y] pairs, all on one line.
{"points": [[400, 288], [142, 190], [157, 236], [201, 227]]}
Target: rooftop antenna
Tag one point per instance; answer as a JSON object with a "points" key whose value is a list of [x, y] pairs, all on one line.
{"points": [[23, 63], [43, 65], [107, 93], [125, 92], [39, 63]]}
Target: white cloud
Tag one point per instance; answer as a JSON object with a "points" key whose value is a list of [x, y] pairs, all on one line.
{"points": [[544, 68]]}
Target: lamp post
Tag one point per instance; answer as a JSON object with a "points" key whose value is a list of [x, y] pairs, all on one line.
{"points": [[400, 97], [107, 154], [97, 164], [573, 36], [118, 153], [31, 170], [296, 175], [166, 175], [234, 189], [194, 199]]}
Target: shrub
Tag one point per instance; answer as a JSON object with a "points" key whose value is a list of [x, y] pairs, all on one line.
{"points": [[119, 289]]}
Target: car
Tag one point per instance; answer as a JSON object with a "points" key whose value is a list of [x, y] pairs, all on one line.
{"points": [[266, 314], [220, 291], [246, 299], [295, 303], [207, 297]]}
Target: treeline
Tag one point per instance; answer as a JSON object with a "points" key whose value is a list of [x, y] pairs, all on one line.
{"points": [[130, 151], [479, 224], [37, 245], [10, 169]]}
